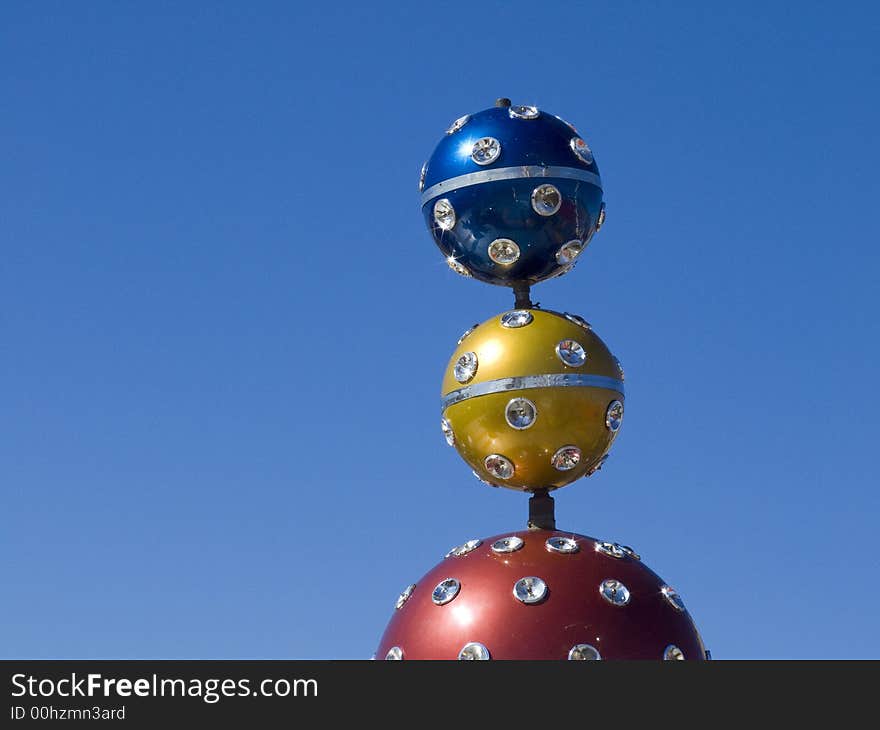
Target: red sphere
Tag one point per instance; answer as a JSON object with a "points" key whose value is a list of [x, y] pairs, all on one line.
{"points": [[541, 594]]}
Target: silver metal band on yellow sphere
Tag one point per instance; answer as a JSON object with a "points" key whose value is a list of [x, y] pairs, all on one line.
{"points": [[532, 399]]}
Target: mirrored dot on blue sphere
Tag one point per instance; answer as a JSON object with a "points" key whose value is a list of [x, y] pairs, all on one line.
{"points": [[512, 195]]}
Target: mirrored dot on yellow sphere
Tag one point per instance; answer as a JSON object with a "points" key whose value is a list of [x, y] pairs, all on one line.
{"points": [[532, 399]]}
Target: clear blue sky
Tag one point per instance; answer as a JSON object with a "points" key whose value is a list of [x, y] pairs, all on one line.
{"points": [[223, 323]]}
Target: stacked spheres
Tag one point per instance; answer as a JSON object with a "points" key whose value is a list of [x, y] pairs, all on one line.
{"points": [[532, 400], [541, 594], [512, 195]]}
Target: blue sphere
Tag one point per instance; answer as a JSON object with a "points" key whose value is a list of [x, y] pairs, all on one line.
{"points": [[512, 195]]}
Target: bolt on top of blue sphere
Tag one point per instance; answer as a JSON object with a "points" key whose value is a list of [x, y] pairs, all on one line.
{"points": [[512, 195]]}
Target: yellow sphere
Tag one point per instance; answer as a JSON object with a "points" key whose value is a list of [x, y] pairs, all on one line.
{"points": [[532, 399]]}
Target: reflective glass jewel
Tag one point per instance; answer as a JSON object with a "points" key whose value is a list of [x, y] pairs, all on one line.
{"points": [[465, 367], [571, 353], [447, 431], [673, 596], [568, 252], [404, 597], [503, 251], [520, 413], [578, 320], [499, 466], [530, 590], [458, 268], [464, 548], [582, 150], [584, 652], [523, 112], [566, 458], [444, 215], [466, 333], [614, 416], [614, 592], [472, 651], [445, 591], [546, 200], [558, 544], [507, 544], [611, 549], [516, 318], [486, 150], [458, 124]]}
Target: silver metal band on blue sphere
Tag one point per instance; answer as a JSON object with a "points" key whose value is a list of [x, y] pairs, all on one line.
{"points": [[553, 380], [510, 173]]}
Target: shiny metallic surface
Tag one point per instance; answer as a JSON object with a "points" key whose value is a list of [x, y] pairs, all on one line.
{"points": [[614, 416], [499, 466], [571, 353], [474, 650], [615, 592], [630, 552], [600, 221], [480, 479], [507, 544], [611, 549], [521, 362], [444, 214], [516, 318], [395, 653], [448, 433], [404, 597], [527, 382], [500, 174], [466, 333], [563, 270], [543, 143], [422, 177], [673, 653], [530, 590], [520, 413], [597, 466], [578, 320], [572, 613], [503, 251], [486, 150], [672, 595], [568, 124], [464, 548], [582, 150], [546, 199], [458, 268], [488, 169], [566, 458], [569, 251], [559, 544], [584, 652], [466, 367], [523, 112], [445, 591], [458, 124]]}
